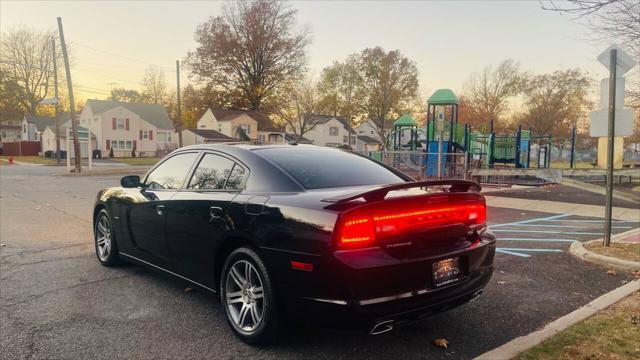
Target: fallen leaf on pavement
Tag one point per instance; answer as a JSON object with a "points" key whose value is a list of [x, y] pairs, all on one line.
{"points": [[611, 272], [443, 343], [188, 289]]}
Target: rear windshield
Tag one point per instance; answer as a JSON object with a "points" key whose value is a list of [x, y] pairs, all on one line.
{"points": [[318, 167]]}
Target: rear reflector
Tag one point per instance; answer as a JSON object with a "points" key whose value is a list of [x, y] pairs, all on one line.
{"points": [[301, 266], [371, 223]]}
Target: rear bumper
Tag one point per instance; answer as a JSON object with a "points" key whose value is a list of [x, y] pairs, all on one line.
{"points": [[354, 290]]}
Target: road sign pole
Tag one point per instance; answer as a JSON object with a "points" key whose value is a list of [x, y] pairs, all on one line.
{"points": [[612, 115]]}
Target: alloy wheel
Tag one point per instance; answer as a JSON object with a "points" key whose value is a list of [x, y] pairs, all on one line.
{"points": [[244, 296], [103, 238]]}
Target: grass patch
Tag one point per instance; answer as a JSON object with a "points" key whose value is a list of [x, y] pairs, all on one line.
{"points": [[30, 159], [625, 251], [613, 333], [138, 160]]}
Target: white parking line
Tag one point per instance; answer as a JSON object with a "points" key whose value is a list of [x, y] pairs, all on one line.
{"points": [[567, 226], [549, 232], [538, 240]]}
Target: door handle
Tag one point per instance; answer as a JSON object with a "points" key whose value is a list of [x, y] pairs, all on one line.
{"points": [[215, 212], [160, 210]]}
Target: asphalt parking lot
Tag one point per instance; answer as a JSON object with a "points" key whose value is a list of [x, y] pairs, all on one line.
{"points": [[56, 301]]}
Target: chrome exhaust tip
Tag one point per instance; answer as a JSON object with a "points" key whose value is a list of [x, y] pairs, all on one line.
{"points": [[381, 327], [476, 295]]}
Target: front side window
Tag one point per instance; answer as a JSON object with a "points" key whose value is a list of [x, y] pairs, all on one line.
{"points": [[171, 173], [333, 131], [212, 173]]}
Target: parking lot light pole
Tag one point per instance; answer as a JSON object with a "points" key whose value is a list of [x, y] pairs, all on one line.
{"points": [[611, 140]]}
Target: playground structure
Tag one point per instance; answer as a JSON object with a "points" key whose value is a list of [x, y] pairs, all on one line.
{"points": [[453, 147]]}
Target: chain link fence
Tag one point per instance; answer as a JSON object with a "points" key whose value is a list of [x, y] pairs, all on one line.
{"points": [[424, 166]]}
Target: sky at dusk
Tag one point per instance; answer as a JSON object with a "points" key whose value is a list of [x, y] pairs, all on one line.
{"points": [[113, 42]]}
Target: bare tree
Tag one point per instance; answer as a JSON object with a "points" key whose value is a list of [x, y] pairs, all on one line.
{"points": [[253, 47], [617, 21], [154, 85], [301, 104], [26, 61], [487, 93], [390, 82], [557, 101]]}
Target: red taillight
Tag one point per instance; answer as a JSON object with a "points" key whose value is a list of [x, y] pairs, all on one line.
{"points": [[386, 220], [356, 231]]}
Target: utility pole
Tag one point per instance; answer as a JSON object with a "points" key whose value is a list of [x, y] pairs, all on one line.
{"points": [[55, 94], [179, 119], [612, 115], [72, 111]]}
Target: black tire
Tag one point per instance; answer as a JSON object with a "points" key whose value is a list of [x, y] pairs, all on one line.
{"points": [[268, 327], [111, 257]]}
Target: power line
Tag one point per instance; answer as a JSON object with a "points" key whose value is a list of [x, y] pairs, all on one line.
{"points": [[122, 56]]}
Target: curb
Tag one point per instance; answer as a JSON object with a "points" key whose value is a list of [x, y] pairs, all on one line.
{"points": [[578, 250], [522, 343], [131, 170]]}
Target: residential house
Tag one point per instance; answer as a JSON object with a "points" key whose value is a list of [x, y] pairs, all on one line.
{"points": [[48, 140], [203, 136], [295, 138], [33, 126], [10, 131], [331, 131], [370, 128], [125, 127], [235, 123], [368, 143]]}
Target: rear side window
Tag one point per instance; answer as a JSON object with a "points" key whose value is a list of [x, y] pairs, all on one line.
{"points": [[212, 173], [316, 167], [171, 173]]}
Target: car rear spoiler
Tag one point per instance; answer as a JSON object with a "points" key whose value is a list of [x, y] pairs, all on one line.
{"points": [[379, 193]]}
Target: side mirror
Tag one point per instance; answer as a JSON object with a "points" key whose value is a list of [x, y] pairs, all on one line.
{"points": [[130, 181]]}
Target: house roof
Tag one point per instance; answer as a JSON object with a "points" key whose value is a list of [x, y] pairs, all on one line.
{"points": [[294, 138], [368, 140], [321, 119], [264, 122], [41, 122], [211, 134], [155, 114], [65, 129], [443, 97]]}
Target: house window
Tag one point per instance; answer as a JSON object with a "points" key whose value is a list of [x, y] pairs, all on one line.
{"points": [[360, 131], [4, 134], [24, 128], [246, 128], [345, 139], [121, 144], [95, 119], [164, 137], [261, 137], [371, 132], [333, 131], [145, 135], [203, 126], [120, 124], [353, 140]]}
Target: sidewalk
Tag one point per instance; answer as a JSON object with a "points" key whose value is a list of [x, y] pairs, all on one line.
{"points": [[556, 207]]}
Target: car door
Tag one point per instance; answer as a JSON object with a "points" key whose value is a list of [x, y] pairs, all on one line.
{"points": [[147, 219], [197, 218]]}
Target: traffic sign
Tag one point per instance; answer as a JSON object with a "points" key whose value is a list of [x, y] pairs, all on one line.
{"points": [[625, 61]]}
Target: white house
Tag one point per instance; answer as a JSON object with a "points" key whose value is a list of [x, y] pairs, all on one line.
{"points": [[48, 140], [10, 131], [33, 126], [125, 127], [331, 131], [203, 136], [234, 123]]}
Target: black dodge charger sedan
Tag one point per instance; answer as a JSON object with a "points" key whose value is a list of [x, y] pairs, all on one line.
{"points": [[282, 230]]}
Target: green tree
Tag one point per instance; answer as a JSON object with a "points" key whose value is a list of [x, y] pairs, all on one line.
{"points": [[127, 95]]}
